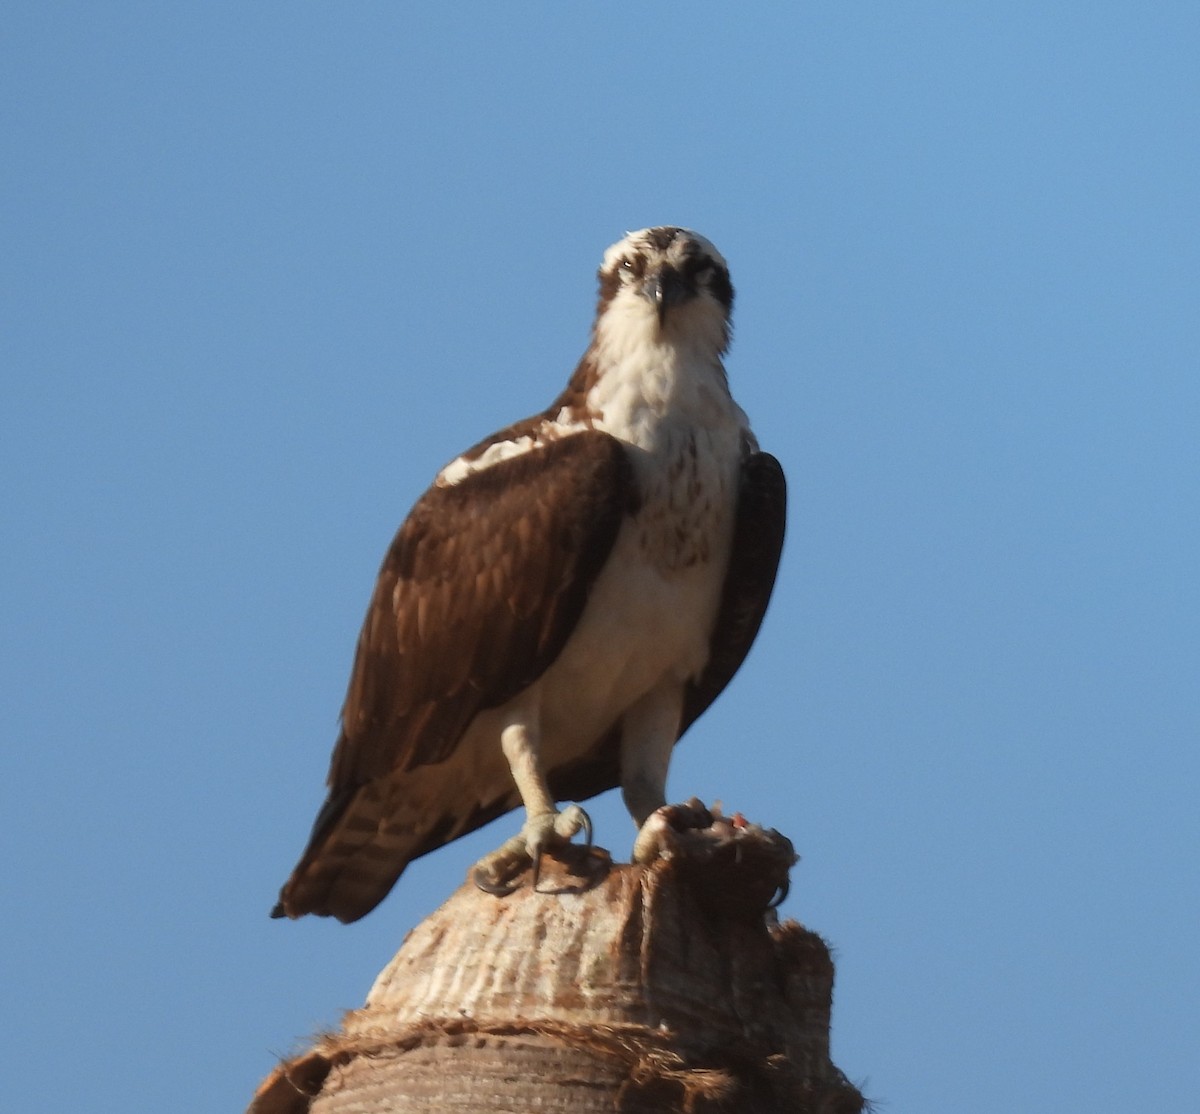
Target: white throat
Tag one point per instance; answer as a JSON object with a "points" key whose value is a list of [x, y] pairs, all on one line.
{"points": [[662, 390], [648, 379]]}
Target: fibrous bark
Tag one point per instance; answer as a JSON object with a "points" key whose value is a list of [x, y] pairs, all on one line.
{"points": [[658, 988]]}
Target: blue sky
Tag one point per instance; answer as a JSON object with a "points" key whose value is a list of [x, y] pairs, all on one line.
{"points": [[267, 267]]}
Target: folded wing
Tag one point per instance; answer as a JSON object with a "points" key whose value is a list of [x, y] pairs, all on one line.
{"points": [[477, 596]]}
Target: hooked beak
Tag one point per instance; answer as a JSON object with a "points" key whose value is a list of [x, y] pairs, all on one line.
{"points": [[664, 289]]}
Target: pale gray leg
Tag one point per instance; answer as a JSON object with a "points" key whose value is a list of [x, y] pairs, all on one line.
{"points": [[545, 826], [648, 737]]}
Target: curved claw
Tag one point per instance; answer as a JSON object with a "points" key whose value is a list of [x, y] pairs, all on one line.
{"points": [[781, 897], [566, 823], [499, 889], [498, 872]]}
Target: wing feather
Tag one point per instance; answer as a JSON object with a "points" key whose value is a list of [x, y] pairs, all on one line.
{"points": [[476, 597], [754, 560]]}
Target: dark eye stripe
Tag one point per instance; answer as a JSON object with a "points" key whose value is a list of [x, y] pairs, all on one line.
{"points": [[634, 264]]}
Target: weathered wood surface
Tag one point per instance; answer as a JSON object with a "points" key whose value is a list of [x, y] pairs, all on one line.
{"points": [[661, 988]]}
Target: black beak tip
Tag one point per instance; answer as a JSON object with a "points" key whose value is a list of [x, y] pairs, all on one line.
{"points": [[664, 290]]}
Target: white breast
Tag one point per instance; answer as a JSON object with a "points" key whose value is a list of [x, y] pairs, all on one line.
{"points": [[650, 615]]}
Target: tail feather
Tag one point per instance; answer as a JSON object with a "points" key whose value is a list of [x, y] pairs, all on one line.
{"points": [[356, 854]]}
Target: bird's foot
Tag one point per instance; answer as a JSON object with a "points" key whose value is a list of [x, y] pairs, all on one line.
{"points": [[659, 835], [735, 860], [498, 873]]}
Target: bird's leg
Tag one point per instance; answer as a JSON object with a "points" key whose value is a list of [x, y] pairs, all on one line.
{"points": [[648, 736], [545, 826]]}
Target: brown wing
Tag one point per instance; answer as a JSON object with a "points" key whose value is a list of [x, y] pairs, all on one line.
{"points": [[476, 598], [757, 544]]}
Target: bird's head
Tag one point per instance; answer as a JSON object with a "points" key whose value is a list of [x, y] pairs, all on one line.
{"points": [[668, 282]]}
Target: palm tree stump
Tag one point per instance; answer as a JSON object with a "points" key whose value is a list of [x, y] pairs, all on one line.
{"points": [[657, 988]]}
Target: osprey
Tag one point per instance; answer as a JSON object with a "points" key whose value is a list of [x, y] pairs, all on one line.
{"points": [[562, 603]]}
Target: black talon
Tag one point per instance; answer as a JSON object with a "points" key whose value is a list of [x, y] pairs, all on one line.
{"points": [[776, 902], [499, 889], [587, 828]]}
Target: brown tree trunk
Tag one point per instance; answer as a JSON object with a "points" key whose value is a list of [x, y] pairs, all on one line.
{"points": [[662, 988]]}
